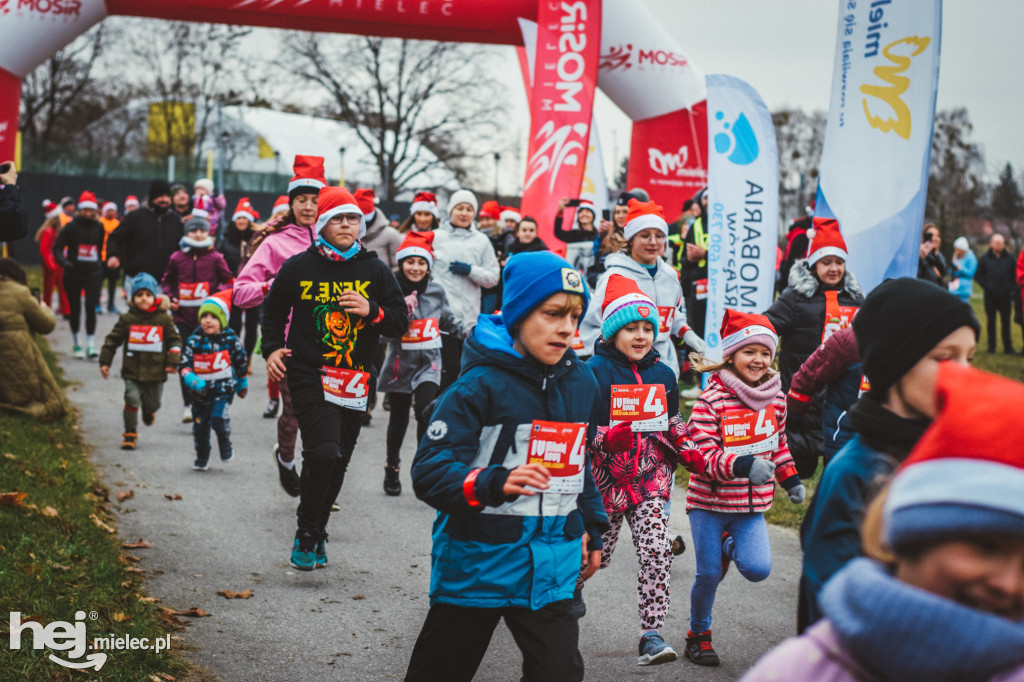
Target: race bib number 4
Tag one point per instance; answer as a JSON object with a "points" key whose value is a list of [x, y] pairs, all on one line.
{"points": [[422, 335], [559, 446], [88, 253], [346, 387], [146, 338], [192, 295], [577, 341], [746, 432], [666, 315], [643, 405], [212, 366], [700, 289]]}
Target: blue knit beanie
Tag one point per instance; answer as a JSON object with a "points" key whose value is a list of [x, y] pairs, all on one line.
{"points": [[530, 278], [625, 303], [146, 281]]}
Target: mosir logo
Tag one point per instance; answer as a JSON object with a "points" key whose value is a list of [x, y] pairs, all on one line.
{"points": [[899, 53], [48, 7], [621, 57], [668, 163]]}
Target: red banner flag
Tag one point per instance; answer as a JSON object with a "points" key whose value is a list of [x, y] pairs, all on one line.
{"points": [[668, 157], [564, 78]]}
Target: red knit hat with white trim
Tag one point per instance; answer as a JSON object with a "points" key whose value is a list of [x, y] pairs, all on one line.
{"points": [[88, 200], [280, 206], [309, 176], [417, 244], [131, 203], [108, 206], [509, 213], [825, 240], [624, 303], [743, 329], [218, 304], [366, 199], [490, 209], [966, 474], [424, 201], [199, 208], [335, 201], [51, 209], [644, 215], [244, 210]]}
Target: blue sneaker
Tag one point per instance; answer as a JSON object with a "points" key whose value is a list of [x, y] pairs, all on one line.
{"points": [[302, 556], [321, 551], [653, 650]]}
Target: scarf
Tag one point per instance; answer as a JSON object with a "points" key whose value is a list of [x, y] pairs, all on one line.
{"points": [[408, 286], [885, 431], [330, 252], [187, 244], [755, 397], [907, 635]]}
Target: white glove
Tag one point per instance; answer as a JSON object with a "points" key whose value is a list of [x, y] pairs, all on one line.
{"points": [[691, 339], [761, 471]]}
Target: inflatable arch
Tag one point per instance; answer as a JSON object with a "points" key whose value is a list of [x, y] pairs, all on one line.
{"points": [[642, 69]]}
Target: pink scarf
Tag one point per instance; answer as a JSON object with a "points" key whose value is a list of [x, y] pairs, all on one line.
{"points": [[755, 397]]}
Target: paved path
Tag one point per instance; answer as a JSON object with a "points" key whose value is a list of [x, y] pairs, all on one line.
{"points": [[358, 618]]}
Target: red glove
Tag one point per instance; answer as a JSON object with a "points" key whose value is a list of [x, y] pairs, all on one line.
{"points": [[619, 438], [693, 461]]}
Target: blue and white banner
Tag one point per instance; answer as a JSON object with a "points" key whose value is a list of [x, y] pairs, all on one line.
{"points": [[743, 204], [874, 165]]}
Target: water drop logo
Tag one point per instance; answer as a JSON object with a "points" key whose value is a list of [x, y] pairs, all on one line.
{"points": [[738, 140]]}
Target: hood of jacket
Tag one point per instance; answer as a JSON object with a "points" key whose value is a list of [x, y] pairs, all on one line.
{"points": [[163, 303], [373, 229], [803, 281]]}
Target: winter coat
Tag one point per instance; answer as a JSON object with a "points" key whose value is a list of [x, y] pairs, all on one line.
{"points": [[187, 268], [718, 489], [383, 239], [78, 247], [232, 244], [997, 275], [214, 205], [27, 385], [798, 316], [962, 275], [258, 274], [663, 288], [932, 268], [145, 240], [226, 342], [466, 245], [47, 239], [134, 332], [13, 217], [515, 551], [644, 471], [109, 225], [404, 370]]}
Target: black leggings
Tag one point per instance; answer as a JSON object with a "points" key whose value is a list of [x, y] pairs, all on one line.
{"points": [[421, 397], [252, 326], [75, 286], [110, 276]]}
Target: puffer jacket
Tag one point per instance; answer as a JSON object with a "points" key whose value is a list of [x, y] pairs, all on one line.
{"points": [[961, 281], [27, 386], [187, 268], [383, 239], [201, 343], [139, 362], [469, 246], [494, 551], [663, 288], [404, 370], [644, 471], [258, 273]]}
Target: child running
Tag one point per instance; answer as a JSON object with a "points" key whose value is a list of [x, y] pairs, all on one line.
{"points": [[412, 368], [152, 349], [340, 299], [214, 368], [633, 468], [739, 424]]}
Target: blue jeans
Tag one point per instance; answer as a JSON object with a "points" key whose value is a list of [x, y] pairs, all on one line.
{"points": [[211, 415], [747, 547]]}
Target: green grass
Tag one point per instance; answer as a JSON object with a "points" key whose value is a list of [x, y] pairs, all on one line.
{"points": [[55, 559]]}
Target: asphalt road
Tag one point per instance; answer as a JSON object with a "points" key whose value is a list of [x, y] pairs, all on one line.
{"points": [[358, 618]]}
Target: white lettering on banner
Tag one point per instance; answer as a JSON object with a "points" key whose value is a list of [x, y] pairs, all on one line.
{"points": [[621, 57], [667, 163]]}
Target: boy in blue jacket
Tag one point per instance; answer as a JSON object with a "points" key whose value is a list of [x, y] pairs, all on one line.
{"points": [[504, 461]]}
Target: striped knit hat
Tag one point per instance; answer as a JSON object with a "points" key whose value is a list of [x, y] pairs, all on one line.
{"points": [[219, 305], [625, 303], [743, 329]]}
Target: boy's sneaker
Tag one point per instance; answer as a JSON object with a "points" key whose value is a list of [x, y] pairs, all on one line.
{"points": [[186, 415], [148, 418], [320, 553], [91, 352], [699, 649], [128, 439], [392, 484], [653, 650], [304, 552], [201, 465], [271, 410], [230, 457], [289, 477], [78, 353]]}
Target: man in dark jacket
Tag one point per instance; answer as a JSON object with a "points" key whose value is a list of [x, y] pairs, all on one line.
{"points": [[997, 276], [146, 238], [13, 219]]}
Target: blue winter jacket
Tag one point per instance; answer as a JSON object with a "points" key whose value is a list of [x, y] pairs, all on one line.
{"points": [[203, 343], [521, 551]]}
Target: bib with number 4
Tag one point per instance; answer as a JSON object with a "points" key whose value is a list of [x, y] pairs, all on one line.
{"points": [[644, 405], [345, 387], [423, 334], [750, 432], [212, 366], [192, 294], [88, 253], [666, 315], [146, 338], [559, 446]]}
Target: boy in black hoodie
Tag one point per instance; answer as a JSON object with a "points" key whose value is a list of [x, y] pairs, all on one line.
{"points": [[341, 299]]}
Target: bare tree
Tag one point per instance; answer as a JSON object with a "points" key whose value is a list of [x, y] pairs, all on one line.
{"points": [[955, 186], [799, 137], [404, 97]]}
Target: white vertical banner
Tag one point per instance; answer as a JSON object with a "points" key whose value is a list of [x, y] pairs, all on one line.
{"points": [[743, 204], [874, 165], [595, 190]]}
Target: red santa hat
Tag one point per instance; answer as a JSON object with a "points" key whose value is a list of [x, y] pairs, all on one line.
{"points": [[88, 200], [743, 329], [417, 244], [51, 209], [244, 209], [199, 208], [624, 303], [366, 199], [108, 206], [424, 201], [309, 175], [280, 206], [510, 213], [490, 209], [825, 240], [336, 201], [644, 215], [131, 202]]}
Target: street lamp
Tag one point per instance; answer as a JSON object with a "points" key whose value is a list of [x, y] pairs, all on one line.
{"points": [[497, 159], [224, 139], [277, 162], [341, 152]]}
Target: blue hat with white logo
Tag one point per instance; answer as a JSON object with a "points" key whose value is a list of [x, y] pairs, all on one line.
{"points": [[530, 278]]}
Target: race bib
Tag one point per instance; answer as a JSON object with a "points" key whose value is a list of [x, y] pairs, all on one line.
{"points": [[559, 446], [423, 334], [212, 366], [643, 405], [837, 316], [746, 432], [146, 338], [192, 295], [88, 253], [700, 289], [577, 341], [666, 315], [345, 387]]}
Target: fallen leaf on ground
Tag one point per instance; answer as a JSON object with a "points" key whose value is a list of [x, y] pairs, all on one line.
{"points": [[132, 569], [141, 544], [9, 455], [126, 584], [169, 616], [14, 499], [357, 597], [49, 511], [173, 497], [61, 567], [131, 557], [149, 600], [244, 594], [101, 492], [123, 495], [194, 612], [162, 676], [100, 524], [120, 617]]}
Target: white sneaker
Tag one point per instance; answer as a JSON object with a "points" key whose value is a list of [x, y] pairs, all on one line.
{"points": [[91, 352], [691, 393], [78, 353], [186, 416]]}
